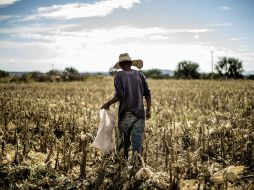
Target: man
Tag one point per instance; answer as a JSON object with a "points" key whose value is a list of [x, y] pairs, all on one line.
{"points": [[130, 88]]}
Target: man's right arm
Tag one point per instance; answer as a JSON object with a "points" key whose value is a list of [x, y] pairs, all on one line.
{"points": [[148, 98], [109, 103], [148, 106], [118, 93]]}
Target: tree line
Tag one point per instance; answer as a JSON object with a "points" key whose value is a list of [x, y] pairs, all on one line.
{"points": [[69, 74], [226, 68]]}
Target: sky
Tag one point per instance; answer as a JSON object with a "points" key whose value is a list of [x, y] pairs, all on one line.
{"points": [[38, 35]]}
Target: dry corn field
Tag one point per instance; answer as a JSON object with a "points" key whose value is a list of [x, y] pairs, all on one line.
{"points": [[200, 136]]}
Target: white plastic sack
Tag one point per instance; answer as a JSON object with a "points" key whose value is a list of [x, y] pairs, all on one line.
{"points": [[104, 139]]}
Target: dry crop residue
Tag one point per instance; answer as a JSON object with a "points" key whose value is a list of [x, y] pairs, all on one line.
{"points": [[200, 136]]}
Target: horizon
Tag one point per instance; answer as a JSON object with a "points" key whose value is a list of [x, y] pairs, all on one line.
{"points": [[89, 35], [95, 72]]}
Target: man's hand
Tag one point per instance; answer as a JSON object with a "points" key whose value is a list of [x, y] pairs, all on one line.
{"points": [[109, 103], [105, 106], [148, 114]]}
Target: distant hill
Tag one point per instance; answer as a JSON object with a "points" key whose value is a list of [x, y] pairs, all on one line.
{"points": [[247, 73], [18, 74], [163, 71], [95, 73], [167, 72]]}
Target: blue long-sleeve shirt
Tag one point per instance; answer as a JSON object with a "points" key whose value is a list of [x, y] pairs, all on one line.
{"points": [[130, 88]]}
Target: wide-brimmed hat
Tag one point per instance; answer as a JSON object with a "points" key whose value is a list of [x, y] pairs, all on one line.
{"points": [[125, 57]]}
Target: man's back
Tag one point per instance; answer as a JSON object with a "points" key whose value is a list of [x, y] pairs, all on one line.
{"points": [[130, 88]]}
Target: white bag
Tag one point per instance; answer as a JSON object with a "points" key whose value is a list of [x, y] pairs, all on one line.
{"points": [[104, 139]]}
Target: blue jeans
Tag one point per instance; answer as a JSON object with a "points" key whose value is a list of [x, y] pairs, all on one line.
{"points": [[131, 127]]}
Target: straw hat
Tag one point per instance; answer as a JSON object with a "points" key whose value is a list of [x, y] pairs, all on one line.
{"points": [[125, 57]]}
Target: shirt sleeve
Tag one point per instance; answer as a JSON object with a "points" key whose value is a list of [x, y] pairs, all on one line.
{"points": [[118, 86], [147, 92]]}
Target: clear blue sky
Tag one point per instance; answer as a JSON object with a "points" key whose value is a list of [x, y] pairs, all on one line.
{"points": [[89, 35]]}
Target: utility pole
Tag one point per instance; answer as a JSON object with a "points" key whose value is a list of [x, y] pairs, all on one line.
{"points": [[212, 63], [52, 66]]}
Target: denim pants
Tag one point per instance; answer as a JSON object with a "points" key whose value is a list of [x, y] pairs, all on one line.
{"points": [[131, 130]]}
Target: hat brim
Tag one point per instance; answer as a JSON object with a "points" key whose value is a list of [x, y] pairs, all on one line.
{"points": [[136, 63]]}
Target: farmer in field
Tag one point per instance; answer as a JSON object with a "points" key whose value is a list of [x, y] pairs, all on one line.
{"points": [[130, 88]]}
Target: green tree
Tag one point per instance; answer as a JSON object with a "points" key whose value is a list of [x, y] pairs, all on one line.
{"points": [[229, 67], [187, 70], [208, 76], [34, 75], [71, 74], [3, 74], [71, 70], [250, 77], [37, 76], [53, 72]]}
